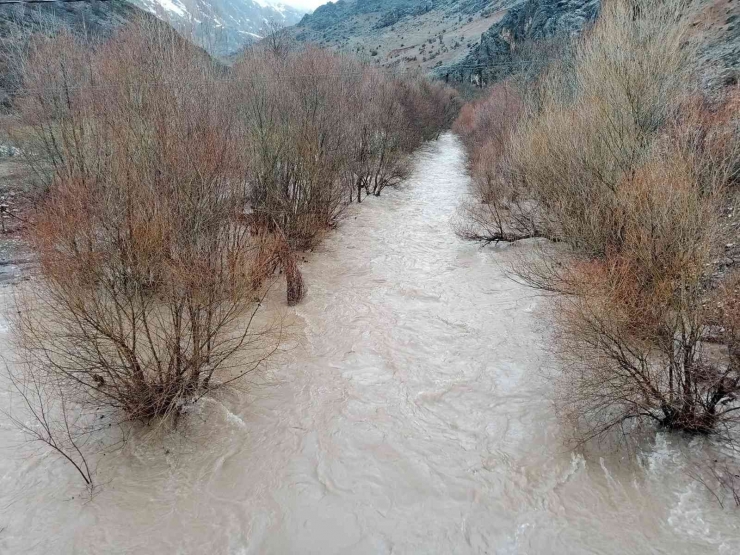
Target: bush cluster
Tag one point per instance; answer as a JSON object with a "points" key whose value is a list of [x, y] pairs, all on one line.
{"points": [[618, 159], [176, 187]]}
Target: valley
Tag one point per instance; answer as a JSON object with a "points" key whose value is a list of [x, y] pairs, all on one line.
{"points": [[389, 277]]}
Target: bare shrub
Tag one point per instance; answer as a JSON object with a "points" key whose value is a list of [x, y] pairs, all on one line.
{"points": [[485, 127], [717, 468], [146, 290], [274, 254], [276, 39], [374, 159], [47, 417], [546, 153], [490, 119], [619, 180], [430, 107], [619, 159], [631, 325], [321, 129], [381, 137], [725, 477], [597, 122], [292, 111]]}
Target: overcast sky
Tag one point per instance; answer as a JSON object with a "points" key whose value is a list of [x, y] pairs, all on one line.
{"points": [[304, 4]]}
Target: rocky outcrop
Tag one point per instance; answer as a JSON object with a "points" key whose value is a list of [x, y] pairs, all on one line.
{"points": [[92, 18], [530, 20], [404, 34], [389, 12], [98, 18], [327, 15], [719, 51], [394, 15], [351, 22], [504, 47], [444, 36]]}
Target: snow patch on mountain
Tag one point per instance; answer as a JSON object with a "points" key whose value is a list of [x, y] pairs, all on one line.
{"points": [[173, 6], [222, 26]]}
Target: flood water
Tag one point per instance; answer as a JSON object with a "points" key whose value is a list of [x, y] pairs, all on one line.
{"points": [[410, 416]]}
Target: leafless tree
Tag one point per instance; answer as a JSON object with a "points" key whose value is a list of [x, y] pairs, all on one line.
{"points": [[276, 39]]}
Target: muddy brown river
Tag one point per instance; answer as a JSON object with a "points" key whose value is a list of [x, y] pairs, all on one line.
{"points": [[409, 415]]}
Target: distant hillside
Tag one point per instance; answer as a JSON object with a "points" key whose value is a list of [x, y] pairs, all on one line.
{"points": [[424, 34], [94, 18], [505, 47], [222, 26], [499, 51], [474, 40], [97, 17]]}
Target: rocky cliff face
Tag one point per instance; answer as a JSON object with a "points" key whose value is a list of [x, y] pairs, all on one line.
{"points": [[505, 47], [528, 21], [487, 40], [98, 17], [474, 33], [718, 27]]}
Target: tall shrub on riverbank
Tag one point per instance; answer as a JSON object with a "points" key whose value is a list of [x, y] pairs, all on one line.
{"points": [[319, 131], [146, 290], [623, 164]]}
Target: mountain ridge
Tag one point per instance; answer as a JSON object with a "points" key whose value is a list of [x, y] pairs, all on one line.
{"points": [[485, 40], [222, 26], [408, 34]]}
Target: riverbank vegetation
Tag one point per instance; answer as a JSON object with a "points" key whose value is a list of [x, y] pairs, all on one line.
{"points": [[631, 172], [173, 191]]}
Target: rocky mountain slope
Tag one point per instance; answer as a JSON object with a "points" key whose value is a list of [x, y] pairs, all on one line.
{"points": [[94, 18], [98, 17], [499, 51], [510, 43], [222, 26], [718, 24], [409, 34], [486, 40]]}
